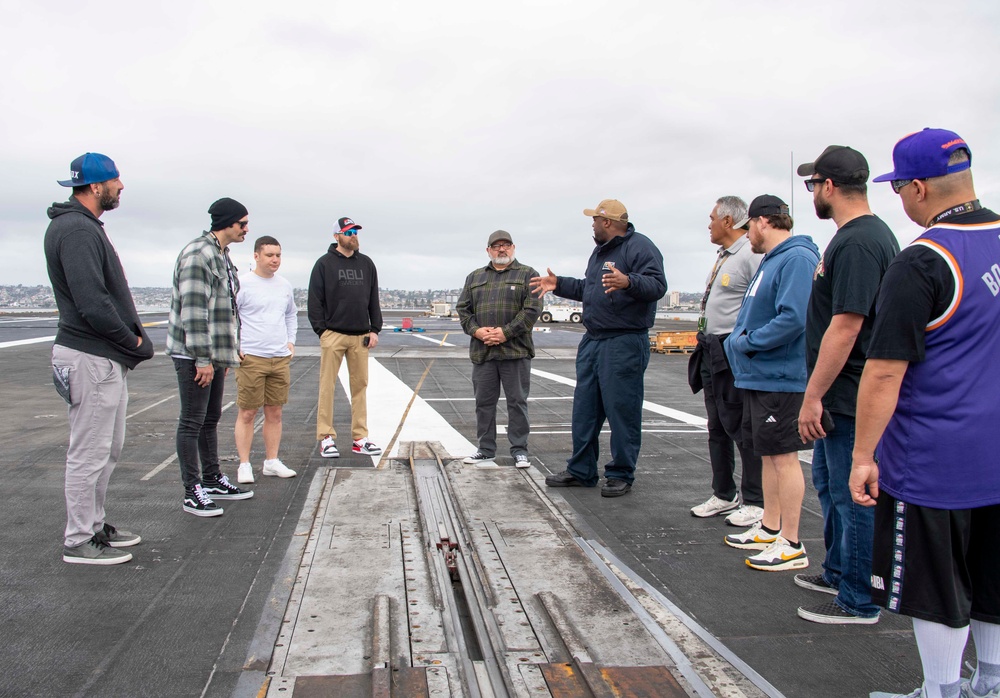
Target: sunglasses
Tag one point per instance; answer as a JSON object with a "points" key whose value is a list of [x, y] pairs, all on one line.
{"points": [[243, 224], [349, 233], [899, 184], [811, 183], [501, 245]]}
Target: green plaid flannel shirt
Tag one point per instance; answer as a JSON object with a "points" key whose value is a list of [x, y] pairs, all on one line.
{"points": [[493, 298], [204, 324]]}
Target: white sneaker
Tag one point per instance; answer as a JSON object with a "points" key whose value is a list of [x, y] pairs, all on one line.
{"points": [[754, 538], [521, 461], [275, 468], [746, 515], [244, 475], [366, 447], [328, 448], [714, 507], [476, 457], [779, 556]]}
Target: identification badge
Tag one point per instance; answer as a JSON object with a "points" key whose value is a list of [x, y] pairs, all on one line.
{"points": [[702, 323]]}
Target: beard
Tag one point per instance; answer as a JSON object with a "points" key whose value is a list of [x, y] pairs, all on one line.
{"points": [[503, 259], [109, 201], [824, 211]]}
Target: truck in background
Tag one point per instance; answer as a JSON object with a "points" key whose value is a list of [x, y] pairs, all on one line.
{"points": [[557, 313]]}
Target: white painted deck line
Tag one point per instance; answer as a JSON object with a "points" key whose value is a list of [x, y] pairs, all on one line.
{"points": [[388, 398], [684, 417], [22, 342]]}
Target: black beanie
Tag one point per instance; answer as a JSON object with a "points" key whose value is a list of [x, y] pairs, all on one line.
{"points": [[225, 212]]}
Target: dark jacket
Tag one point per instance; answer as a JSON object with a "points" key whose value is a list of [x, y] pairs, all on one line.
{"points": [[628, 311], [343, 294], [97, 315]]}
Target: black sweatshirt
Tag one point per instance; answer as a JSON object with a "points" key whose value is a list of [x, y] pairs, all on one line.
{"points": [[96, 312], [343, 294]]}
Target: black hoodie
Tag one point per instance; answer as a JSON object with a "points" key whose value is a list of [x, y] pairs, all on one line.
{"points": [[96, 312]]}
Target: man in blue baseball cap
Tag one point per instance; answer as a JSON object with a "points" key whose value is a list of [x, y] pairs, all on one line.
{"points": [[100, 338], [927, 414]]}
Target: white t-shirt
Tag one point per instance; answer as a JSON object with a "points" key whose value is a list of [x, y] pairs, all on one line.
{"points": [[267, 315]]}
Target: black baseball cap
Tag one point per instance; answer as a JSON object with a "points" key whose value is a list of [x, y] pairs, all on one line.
{"points": [[763, 205], [841, 164], [346, 224]]}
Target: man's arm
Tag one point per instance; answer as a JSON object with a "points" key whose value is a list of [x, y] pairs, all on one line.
{"points": [[291, 319], [194, 285], [877, 397], [527, 314], [374, 307], [316, 299], [838, 341], [466, 313], [647, 282]]}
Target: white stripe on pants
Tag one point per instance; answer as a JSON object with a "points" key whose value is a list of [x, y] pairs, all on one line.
{"points": [[99, 392]]}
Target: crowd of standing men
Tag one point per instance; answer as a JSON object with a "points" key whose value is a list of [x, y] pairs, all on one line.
{"points": [[881, 360]]}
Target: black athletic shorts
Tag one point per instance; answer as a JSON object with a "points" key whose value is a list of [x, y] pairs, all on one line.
{"points": [[771, 422], [938, 565]]}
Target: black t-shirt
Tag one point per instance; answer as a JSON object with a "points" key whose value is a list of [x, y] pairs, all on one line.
{"points": [[847, 281], [918, 287]]}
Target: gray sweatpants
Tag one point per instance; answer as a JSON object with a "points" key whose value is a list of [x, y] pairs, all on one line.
{"points": [[99, 394], [515, 377]]}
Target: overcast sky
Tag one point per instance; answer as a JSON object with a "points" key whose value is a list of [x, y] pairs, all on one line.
{"points": [[432, 124]]}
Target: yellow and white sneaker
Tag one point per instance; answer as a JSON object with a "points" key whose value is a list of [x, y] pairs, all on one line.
{"points": [[779, 556]]}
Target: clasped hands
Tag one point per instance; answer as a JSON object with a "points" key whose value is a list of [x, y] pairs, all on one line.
{"points": [[490, 336]]}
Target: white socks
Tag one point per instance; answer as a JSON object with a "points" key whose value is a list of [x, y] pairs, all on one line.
{"points": [[941, 649]]}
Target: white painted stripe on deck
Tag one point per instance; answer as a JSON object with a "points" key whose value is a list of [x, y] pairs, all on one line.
{"points": [[684, 417], [28, 319], [172, 458], [388, 397], [22, 342], [150, 407]]}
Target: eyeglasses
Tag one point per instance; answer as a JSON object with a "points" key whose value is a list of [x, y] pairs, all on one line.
{"points": [[244, 224], [899, 184], [349, 233], [501, 245], [811, 183]]}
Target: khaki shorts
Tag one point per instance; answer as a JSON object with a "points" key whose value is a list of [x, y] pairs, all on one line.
{"points": [[261, 381]]}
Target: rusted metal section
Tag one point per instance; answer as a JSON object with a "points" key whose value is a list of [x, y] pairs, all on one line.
{"points": [[642, 682], [564, 681], [576, 680]]}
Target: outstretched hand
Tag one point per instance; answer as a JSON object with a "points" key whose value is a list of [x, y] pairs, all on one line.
{"points": [[540, 285]]}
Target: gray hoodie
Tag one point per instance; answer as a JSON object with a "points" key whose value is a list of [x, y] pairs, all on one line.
{"points": [[96, 312]]}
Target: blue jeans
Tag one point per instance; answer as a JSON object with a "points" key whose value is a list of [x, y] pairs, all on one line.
{"points": [[848, 528], [609, 386], [197, 427]]}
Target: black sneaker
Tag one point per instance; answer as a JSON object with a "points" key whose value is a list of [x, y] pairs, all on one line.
{"points": [[200, 504], [563, 479], [815, 582], [615, 488], [222, 488], [832, 614]]}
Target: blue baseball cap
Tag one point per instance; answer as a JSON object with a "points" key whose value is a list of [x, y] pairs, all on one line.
{"points": [[90, 168], [925, 154]]}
